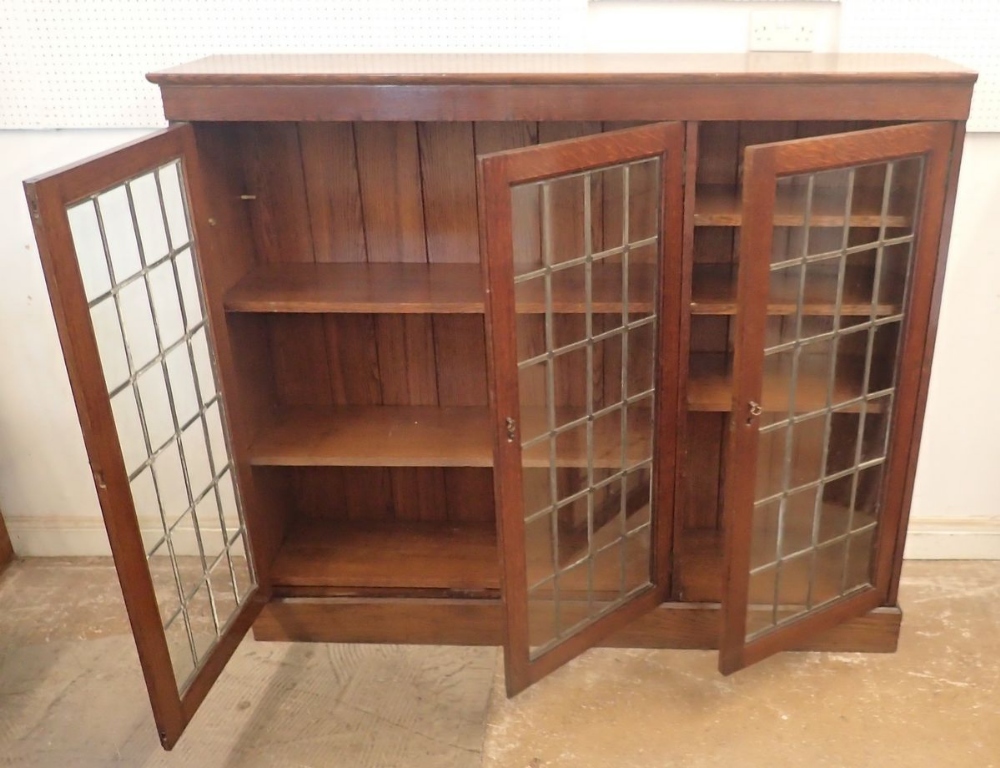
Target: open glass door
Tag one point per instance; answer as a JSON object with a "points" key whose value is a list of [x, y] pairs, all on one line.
{"points": [[118, 249], [583, 242], [838, 247]]}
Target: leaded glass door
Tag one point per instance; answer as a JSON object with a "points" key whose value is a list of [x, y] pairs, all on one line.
{"points": [[838, 247], [118, 248], [583, 241]]}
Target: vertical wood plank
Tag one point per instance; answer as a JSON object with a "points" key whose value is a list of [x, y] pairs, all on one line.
{"points": [[703, 479], [451, 219], [330, 167], [298, 357], [469, 494], [355, 380], [279, 215], [496, 136], [319, 492], [406, 360], [685, 466], [368, 493], [718, 152], [409, 377], [418, 494], [353, 359], [388, 157], [460, 342], [448, 173], [272, 162], [330, 164], [391, 203]]}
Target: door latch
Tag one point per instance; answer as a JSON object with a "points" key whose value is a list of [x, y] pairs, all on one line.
{"points": [[755, 411], [511, 429]]}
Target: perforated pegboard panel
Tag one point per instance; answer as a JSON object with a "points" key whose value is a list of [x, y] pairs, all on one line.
{"points": [[80, 63], [963, 31]]}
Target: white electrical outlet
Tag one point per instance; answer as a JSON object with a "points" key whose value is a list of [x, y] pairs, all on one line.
{"points": [[772, 30]]}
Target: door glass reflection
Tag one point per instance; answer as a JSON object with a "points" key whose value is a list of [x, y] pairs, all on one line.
{"points": [[586, 252], [840, 268]]}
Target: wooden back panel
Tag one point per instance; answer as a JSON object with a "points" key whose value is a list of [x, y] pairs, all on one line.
{"points": [[371, 192], [385, 192]]}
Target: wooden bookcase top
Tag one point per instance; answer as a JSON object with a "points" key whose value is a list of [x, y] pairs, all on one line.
{"points": [[566, 86], [559, 68]]}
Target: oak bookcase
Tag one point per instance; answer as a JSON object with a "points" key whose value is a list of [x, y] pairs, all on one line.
{"points": [[545, 351]]}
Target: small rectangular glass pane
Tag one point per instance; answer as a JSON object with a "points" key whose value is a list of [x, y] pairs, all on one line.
{"points": [[149, 218], [133, 243], [243, 574], [120, 237], [181, 647], [189, 292], [840, 270], [174, 206], [586, 253], [110, 343], [89, 247]]}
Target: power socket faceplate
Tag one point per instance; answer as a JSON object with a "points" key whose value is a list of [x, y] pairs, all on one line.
{"points": [[773, 30]]}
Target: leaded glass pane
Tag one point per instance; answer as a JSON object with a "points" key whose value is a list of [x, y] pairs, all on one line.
{"points": [[840, 267], [133, 242], [586, 254]]}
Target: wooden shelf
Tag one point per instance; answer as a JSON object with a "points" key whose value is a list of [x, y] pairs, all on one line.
{"points": [[721, 205], [456, 289], [428, 436], [710, 387], [388, 555], [379, 436], [713, 292], [397, 288]]}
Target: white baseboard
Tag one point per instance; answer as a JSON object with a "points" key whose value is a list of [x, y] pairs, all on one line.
{"points": [[86, 537], [970, 538], [928, 538]]}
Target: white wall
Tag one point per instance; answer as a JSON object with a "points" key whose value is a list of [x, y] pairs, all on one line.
{"points": [[46, 492], [956, 499], [693, 27]]}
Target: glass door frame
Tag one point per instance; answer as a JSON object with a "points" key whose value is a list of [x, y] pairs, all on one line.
{"points": [[497, 174], [763, 166], [49, 197]]}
